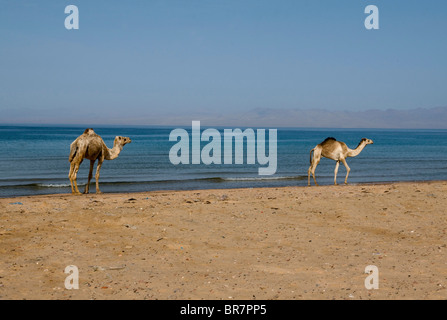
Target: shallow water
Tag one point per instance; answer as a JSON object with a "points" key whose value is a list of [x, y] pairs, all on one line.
{"points": [[34, 160]]}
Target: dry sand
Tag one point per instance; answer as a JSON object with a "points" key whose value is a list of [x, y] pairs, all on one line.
{"points": [[269, 243]]}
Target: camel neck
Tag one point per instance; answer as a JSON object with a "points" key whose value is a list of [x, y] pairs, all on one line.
{"points": [[356, 151], [114, 152]]}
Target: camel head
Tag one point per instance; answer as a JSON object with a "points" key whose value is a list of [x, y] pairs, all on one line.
{"points": [[122, 140], [368, 141]]}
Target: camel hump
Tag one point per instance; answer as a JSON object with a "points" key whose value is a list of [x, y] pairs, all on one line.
{"points": [[329, 139], [89, 131]]}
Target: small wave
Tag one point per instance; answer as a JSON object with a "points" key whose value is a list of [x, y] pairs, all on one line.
{"points": [[169, 181], [51, 185], [265, 178]]}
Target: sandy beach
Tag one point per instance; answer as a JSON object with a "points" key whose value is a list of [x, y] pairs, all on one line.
{"points": [[269, 243]]}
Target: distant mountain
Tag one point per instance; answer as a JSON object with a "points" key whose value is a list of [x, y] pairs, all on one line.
{"points": [[421, 118], [432, 118]]}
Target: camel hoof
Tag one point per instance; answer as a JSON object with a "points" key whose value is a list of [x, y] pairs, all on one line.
{"points": [[98, 192], [76, 193], [86, 192]]}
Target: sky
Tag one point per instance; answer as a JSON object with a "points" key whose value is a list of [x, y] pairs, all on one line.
{"points": [[146, 62]]}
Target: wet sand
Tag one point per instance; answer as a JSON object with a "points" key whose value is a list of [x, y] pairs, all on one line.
{"points": [[268, 243]]}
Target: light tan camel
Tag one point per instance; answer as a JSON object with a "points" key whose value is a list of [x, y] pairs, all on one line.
{"points": [[335, 150], [90, 146]]}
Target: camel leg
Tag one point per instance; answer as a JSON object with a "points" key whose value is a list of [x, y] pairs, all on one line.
{"points": [[73, 178], [98, 168], [335, 172], [347, 170], [308, 175], [90, 175], [312, 168], [315, 162], [70, 176]]}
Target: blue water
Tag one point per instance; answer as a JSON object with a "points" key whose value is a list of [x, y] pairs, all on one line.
{"points": [[34, 160]]}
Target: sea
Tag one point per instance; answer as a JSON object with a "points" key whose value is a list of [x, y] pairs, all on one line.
{"points": [[34, 160]]}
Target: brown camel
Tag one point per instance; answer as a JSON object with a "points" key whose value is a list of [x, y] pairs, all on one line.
{"points": [[90, 146], [335, 150]]}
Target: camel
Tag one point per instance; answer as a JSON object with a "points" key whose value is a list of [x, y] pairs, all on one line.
{"points": [[90, 146], [336, 150]]}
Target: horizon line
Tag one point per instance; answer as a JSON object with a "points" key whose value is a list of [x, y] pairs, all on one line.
{"points": [[98, 125]]}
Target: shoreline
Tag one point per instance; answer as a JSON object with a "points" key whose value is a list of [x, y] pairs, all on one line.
{"points": [[280, 243], [92, 192]]}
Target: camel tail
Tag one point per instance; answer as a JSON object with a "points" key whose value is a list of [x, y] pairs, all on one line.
{"points": [[73, 151]]}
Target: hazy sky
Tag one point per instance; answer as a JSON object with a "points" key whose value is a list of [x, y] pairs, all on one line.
{"points": [[131, 61]]}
